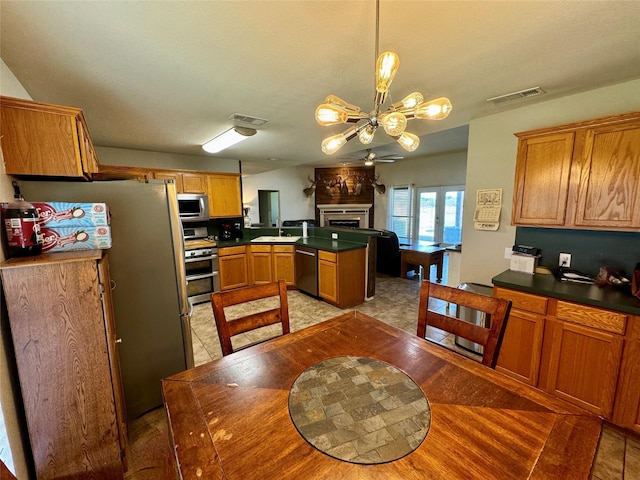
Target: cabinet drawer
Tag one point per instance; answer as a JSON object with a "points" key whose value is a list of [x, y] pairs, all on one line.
{"points": [[592, 317], [523, 301], [260, 248], [231, 250], [328, 256], [283, 249]]}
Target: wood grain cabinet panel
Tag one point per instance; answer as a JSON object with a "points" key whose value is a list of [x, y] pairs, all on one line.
{"points": [[627, 406], [65, 348], [260, 263], [522, 344], [232, 264], [42, 139], [584, 175], [194, 183], [582, 365], [609, 187], [284, 264], [167, 175], [224, 195], [341, 277], [542, 180]]}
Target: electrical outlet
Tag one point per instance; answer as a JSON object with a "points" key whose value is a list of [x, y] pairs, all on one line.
{"points": [[565, 260], [334, 236], [507, 252]]}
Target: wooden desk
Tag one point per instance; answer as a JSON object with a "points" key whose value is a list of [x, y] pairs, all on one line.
{"points": [[229, 418], [421, 254]]}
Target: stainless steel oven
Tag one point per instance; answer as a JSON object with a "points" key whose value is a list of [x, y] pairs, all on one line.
{"points": [[202, 274]]}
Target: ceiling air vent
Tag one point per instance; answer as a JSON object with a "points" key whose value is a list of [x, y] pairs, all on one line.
{"points": [[529, 92], [239, 118]]}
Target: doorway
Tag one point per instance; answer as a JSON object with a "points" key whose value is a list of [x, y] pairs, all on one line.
{"points": [[439, 214], [269, 207]]}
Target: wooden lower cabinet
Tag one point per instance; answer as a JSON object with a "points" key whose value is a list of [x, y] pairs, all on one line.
{"points": [[233, 267], [63, 332], [585, 355], [522, 344], [626, 412], [260, 264], [341, 277], [580, 364], [284, 264]]}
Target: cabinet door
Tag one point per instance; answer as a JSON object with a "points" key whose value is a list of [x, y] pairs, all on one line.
{"points": [[224, 195], [609, 187], [194, 183], [284, 264], [64, 370], [38, 139], [328, 280], [261, 264], [521, 347], [175, 176], [542, 179], [233, 271], [627, 408], [88, 156], [582, 365]]}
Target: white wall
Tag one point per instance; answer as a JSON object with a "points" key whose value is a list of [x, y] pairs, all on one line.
{"points": [[11, 446], [491, 164], [294, 205]]}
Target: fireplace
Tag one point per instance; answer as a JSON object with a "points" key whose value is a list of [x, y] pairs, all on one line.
{"points": [[345, 215]]}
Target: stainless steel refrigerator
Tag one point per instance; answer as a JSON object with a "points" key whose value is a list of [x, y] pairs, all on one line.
{"points": [[148, 274]]}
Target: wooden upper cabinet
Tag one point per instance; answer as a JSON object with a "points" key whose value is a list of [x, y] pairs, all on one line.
{"points": [[542, 179], [175, 176], [584, 175], [609, 187], [224, 195], [194, 183], [45, 140]]}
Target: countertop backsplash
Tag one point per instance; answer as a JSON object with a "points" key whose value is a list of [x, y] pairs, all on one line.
{"points": [[590, 250]]}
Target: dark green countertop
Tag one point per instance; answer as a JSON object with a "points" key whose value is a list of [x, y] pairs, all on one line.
{"points": [[612, 298], [314, 242]]}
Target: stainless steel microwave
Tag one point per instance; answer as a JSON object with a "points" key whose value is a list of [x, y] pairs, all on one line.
{"points": [[193, 207]]}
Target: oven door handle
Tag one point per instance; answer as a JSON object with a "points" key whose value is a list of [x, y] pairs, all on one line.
{"points": [[199, 259], [200, 277]]}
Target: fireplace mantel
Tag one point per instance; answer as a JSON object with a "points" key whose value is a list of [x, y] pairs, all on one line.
{"points": [[350, 211]]}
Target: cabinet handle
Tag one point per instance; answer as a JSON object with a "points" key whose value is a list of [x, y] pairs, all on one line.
{"points": [[118, 340]]}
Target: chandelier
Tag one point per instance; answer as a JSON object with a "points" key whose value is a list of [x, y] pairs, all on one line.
{"points": [[393, 120]]}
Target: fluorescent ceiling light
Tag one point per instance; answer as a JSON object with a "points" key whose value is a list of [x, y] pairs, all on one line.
{"points": [[228, 138]]}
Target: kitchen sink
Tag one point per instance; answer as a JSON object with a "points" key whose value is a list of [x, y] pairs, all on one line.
{"points": [[274, 239]]}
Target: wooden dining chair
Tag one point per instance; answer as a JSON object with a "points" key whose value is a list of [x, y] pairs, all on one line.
{"points": [[228, 328], [496, 308]]}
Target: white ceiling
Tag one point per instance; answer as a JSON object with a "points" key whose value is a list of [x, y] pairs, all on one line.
{"points": [[166, 75]]}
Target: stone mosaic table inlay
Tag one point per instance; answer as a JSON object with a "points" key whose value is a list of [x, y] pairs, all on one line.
{"points": [[359, 410]]}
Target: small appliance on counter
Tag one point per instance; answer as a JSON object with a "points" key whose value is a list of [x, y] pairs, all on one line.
{"points": [[524, 258], [230, 231]]}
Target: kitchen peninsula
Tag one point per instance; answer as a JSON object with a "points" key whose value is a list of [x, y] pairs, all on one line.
{"points": [[342, 267]]}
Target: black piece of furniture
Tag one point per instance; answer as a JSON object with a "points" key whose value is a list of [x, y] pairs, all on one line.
{"points": [[388, 254]]}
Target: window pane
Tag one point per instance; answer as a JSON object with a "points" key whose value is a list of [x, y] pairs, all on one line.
{"points": [[454, 201], [401, 211]]}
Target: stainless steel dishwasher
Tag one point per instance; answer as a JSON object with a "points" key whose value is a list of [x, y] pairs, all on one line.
{"points": [[307, 270]]}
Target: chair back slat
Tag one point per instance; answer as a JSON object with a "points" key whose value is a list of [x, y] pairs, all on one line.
{"points": [[496, 311], [228, 328]]}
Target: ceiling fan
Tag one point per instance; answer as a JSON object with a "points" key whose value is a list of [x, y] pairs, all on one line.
{"points": [[371, 157]]}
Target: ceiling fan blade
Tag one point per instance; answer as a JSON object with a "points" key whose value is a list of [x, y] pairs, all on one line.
{"points": [[384, 160]]}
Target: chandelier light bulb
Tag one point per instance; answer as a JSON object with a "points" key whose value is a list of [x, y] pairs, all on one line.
{"points": [[408, 141], [437, 109], [386, 69], [331, 145], [366, 135], [410, 101], [334, 100], [394, 123], [327, 114]]}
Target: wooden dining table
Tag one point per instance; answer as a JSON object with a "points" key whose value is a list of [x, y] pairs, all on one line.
{"points": [[229, 419]]}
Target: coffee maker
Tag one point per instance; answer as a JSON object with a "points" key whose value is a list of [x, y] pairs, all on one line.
{"points": [[230, 231]]}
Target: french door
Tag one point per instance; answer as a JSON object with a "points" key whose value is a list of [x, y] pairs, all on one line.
{"points": [[439, 214]]}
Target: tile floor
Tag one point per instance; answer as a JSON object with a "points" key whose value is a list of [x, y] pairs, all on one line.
{"points": [[396, 302]]}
